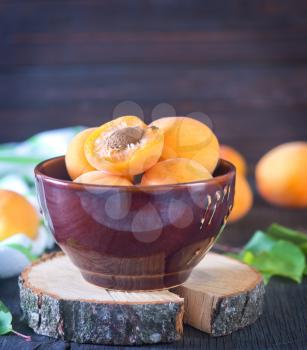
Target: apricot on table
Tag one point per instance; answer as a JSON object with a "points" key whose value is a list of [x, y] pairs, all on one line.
{"points": [[234, 157], [76, 163], [185, 137], [175, 170], [281, 175], [101, 178], [243, 199], [17, 215], [124, 146]]}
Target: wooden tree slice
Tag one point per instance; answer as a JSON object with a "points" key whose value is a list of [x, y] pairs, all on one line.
{"points": [[222, 295], [57, 302]]}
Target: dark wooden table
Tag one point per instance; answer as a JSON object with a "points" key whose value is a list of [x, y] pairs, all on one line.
{"points": [[282, 325], [244, 64]]}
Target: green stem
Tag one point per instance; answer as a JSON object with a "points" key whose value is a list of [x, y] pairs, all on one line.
{"points": [[19, 160]]}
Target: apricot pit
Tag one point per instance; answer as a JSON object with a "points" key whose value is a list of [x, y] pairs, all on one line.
{"points": [[121, 138]]}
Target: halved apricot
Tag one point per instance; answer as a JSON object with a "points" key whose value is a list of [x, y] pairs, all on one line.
{"points": [[75, 160], [124, 146], [185, 137], [176, 170], [101, 178]]}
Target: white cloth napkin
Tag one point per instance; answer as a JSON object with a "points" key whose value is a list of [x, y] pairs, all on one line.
{"points": [[17, 162]]}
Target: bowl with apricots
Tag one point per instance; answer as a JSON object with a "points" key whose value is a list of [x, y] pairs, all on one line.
{"points": [[134, 206]]}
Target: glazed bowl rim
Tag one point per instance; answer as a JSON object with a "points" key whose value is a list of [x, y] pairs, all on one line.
{"points": [[69, 183]]}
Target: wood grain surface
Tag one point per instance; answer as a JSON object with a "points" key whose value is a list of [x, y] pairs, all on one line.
{"points": [[222, 295], [57, 302]]}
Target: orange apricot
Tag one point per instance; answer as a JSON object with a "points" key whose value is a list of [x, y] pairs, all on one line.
{"points": [[185, 137], [125, 146], [175, 170], [243, 199], [281, 175], [234, 157], [17, 215], [101, 178], [76, 163]]}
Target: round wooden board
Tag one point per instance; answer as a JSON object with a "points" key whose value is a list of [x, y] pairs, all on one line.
{"points": [[57, 302], [220, 296]]}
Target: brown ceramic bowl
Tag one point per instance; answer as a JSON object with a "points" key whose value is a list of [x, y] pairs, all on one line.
{"points": [[134, 238]]}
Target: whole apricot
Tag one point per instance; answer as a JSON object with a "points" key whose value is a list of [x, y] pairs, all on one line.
{"points": [[101, 178], [185, 137], [243, 199], [76, 163], [234, 157], [17, 215], [281, 175], [176, 170], [125, 146]]}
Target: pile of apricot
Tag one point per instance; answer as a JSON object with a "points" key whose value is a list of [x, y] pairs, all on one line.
{"points": [[168, 151]]}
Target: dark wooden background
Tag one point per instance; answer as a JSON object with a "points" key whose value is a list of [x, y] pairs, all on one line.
{"points": [[243, 63]]}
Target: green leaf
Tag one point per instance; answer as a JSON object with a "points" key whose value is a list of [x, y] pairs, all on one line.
{"points": [[281, 232], [260, 242], [23, 250], [299, 238], [248, 257], [280, 251], [5, 319], [304, 248], [283, 259]]}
